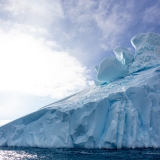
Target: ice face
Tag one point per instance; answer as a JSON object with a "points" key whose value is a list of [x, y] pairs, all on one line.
{"points": [[122, 114], [125, 56], [111, 69], [147, 50], [146, 42]]}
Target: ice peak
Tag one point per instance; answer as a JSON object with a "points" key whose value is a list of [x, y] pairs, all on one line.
{"points": [[143, 42], [147, 51]]}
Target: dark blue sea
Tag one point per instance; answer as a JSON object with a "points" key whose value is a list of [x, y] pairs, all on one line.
{"points": [[7, 153]]}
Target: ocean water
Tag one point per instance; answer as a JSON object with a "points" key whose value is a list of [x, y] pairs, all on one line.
{"points": [[7, 153]]}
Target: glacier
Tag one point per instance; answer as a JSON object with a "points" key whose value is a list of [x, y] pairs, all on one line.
{"points": [[121, 111]]}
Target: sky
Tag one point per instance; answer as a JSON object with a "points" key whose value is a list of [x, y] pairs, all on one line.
{"points": [[49, 47]]}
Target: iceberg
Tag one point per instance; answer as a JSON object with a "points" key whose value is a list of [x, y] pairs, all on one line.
{"points": [[124, 112]]}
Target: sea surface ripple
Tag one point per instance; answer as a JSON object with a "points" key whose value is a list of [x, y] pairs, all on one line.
{"points": [[7, 153]]}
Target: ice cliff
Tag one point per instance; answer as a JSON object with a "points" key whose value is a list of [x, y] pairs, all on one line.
{"points": [[121, 111]]}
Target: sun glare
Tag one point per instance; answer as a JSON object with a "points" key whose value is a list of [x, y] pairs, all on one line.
{"points": [[28, 65]]}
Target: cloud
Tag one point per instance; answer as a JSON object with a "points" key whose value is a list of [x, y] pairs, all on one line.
{"points": [[105, 19], [113, 21], [85, 29], [33, 58], [29, 66], [34, 12], [152, 14]]}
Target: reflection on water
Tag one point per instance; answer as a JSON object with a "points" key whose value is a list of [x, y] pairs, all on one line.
{"points": [[77, 154]]}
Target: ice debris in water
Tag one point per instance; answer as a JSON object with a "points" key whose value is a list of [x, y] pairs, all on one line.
{"points": [[125, 113]]}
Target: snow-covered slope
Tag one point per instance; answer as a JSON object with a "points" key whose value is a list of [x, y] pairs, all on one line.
{"points": [[124, 113]]}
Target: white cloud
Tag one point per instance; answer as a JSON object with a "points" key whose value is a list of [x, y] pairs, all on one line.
{"points": [[79, 12], [52, 44], [113, 19], [105, 47], [28, 65], [152, 14], [39, 11], [106, 19]]}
